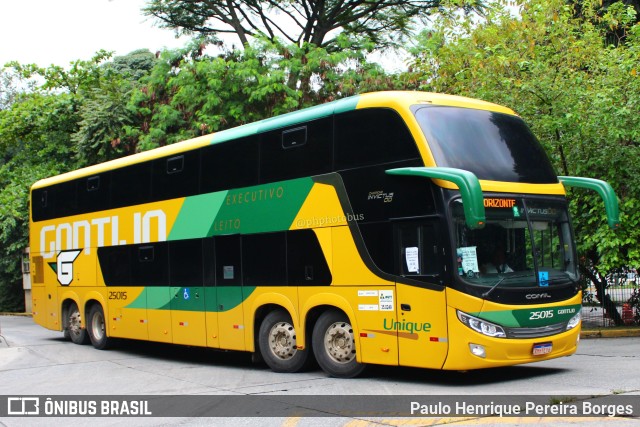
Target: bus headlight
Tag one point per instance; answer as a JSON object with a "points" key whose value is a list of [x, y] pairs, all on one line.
{"points": [[482, 326], [574, 321]]}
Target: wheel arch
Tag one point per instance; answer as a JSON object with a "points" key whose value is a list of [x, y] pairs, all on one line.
{"points": [[262, 306]]}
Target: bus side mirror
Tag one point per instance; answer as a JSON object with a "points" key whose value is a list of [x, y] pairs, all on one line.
{"points": [[603, 189]]}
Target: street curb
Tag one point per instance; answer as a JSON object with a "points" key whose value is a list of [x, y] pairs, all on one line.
{"points": [[2, 313], [610, 333]]}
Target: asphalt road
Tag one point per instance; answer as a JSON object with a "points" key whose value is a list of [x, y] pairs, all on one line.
{"points": [[35, 361]]}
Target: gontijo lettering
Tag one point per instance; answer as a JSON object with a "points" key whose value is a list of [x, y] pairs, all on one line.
{"points": [[86, 234]]}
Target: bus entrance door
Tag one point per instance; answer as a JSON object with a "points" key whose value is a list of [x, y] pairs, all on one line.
{"points": [[421, 321]]}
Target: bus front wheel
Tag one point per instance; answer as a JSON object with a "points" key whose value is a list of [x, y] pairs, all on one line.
{"points": [[73, 329], [96, 326], [334, 345], [278, 343]]}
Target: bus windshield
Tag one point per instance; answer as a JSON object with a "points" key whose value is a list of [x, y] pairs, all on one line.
{"points": [[494, 146], [525, 243]]}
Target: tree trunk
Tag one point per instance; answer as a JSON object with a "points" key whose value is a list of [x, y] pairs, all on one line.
{"points": [[608, 305]]}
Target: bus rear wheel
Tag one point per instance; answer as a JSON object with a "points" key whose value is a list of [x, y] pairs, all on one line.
{"points": [[73, 326], [334, 345], [97, 328], [279, 345]]}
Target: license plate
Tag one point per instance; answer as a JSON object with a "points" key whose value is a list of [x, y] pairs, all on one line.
{"points": [[542, 348]]}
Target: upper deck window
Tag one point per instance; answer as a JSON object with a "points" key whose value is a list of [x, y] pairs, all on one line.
{"points": [[494, 146]]}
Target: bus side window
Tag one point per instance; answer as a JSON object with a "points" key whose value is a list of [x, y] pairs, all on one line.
{"points": [[264, 261], [371, 136], [228, 260], [115, 264], [175, 176], [418, 250], [93, 193], [306, 263], [229, 165], [150, 265], [185, 262], [296, 152], [131, 185]]}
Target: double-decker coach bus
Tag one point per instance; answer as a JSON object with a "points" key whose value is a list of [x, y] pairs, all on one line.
{"points": [[392, 228]]}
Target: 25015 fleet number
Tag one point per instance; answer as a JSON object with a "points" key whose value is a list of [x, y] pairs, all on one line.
{"points": [[119, 295], [542, 314]]}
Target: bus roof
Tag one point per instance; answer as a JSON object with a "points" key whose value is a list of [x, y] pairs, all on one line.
{"points": [[398, 100]]}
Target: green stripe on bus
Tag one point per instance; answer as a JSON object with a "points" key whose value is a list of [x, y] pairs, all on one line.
{"points": [[285, 120], [192, 298], [262, 208], [530, 317], [194, 219]]}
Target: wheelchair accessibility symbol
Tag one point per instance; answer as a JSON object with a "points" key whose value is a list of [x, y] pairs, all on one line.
{"points": [[185, 295]]}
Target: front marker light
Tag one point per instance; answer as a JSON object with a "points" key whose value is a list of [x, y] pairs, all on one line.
{"points": [[477, 350], [574, 321], [482, 326]]}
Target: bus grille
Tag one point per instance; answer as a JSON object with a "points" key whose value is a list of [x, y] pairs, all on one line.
{"points": [[543, 331]]}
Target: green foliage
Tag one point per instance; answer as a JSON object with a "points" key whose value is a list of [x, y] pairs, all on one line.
{"points": [[580, 94], [300, 22], [189, 94], [34, 135]]}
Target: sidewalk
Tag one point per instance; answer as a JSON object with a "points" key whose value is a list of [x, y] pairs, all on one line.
{"points": [[615, 332]]}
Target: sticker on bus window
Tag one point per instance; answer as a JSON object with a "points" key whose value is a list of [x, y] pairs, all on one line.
{"points": [[467, 261], [543, 277], [413, 259], [227, 272]]}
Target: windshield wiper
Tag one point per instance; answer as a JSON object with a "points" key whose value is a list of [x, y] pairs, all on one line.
{"points": [[517, 276]]}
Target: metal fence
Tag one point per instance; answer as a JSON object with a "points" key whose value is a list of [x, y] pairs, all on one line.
{"points": [[622, 294]]}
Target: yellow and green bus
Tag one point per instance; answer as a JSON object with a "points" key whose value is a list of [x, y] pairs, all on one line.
{"points": [[391, 228]]}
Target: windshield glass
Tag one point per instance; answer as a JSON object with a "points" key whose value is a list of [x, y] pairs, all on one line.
{"points": [[525, 243], [494, 146]]}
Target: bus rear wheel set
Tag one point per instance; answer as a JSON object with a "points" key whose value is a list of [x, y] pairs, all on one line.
{"points": [[332, 340]]}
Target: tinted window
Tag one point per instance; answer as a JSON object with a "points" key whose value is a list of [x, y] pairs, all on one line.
{"points": [[228, 165], [115, 263], [494, 146], [371, 136], [264, 261], [94, 192], [185, 262], [131, 185], [306, 262], [228, 260], [65, 201], [150, 265], [418, 251], [175, 176], [297, 152], [378, 238], [209, 261], [41, 205]]}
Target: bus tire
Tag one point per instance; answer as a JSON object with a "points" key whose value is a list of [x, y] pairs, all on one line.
{"points": [[278, 343], [73, 329], [334, 345], [97, 328]]}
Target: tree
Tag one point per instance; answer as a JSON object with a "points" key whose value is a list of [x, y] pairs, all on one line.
{"points": [[579, 94], [34, 135], [299, 22], [189, 94], [105, 112], [37, 126]]}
